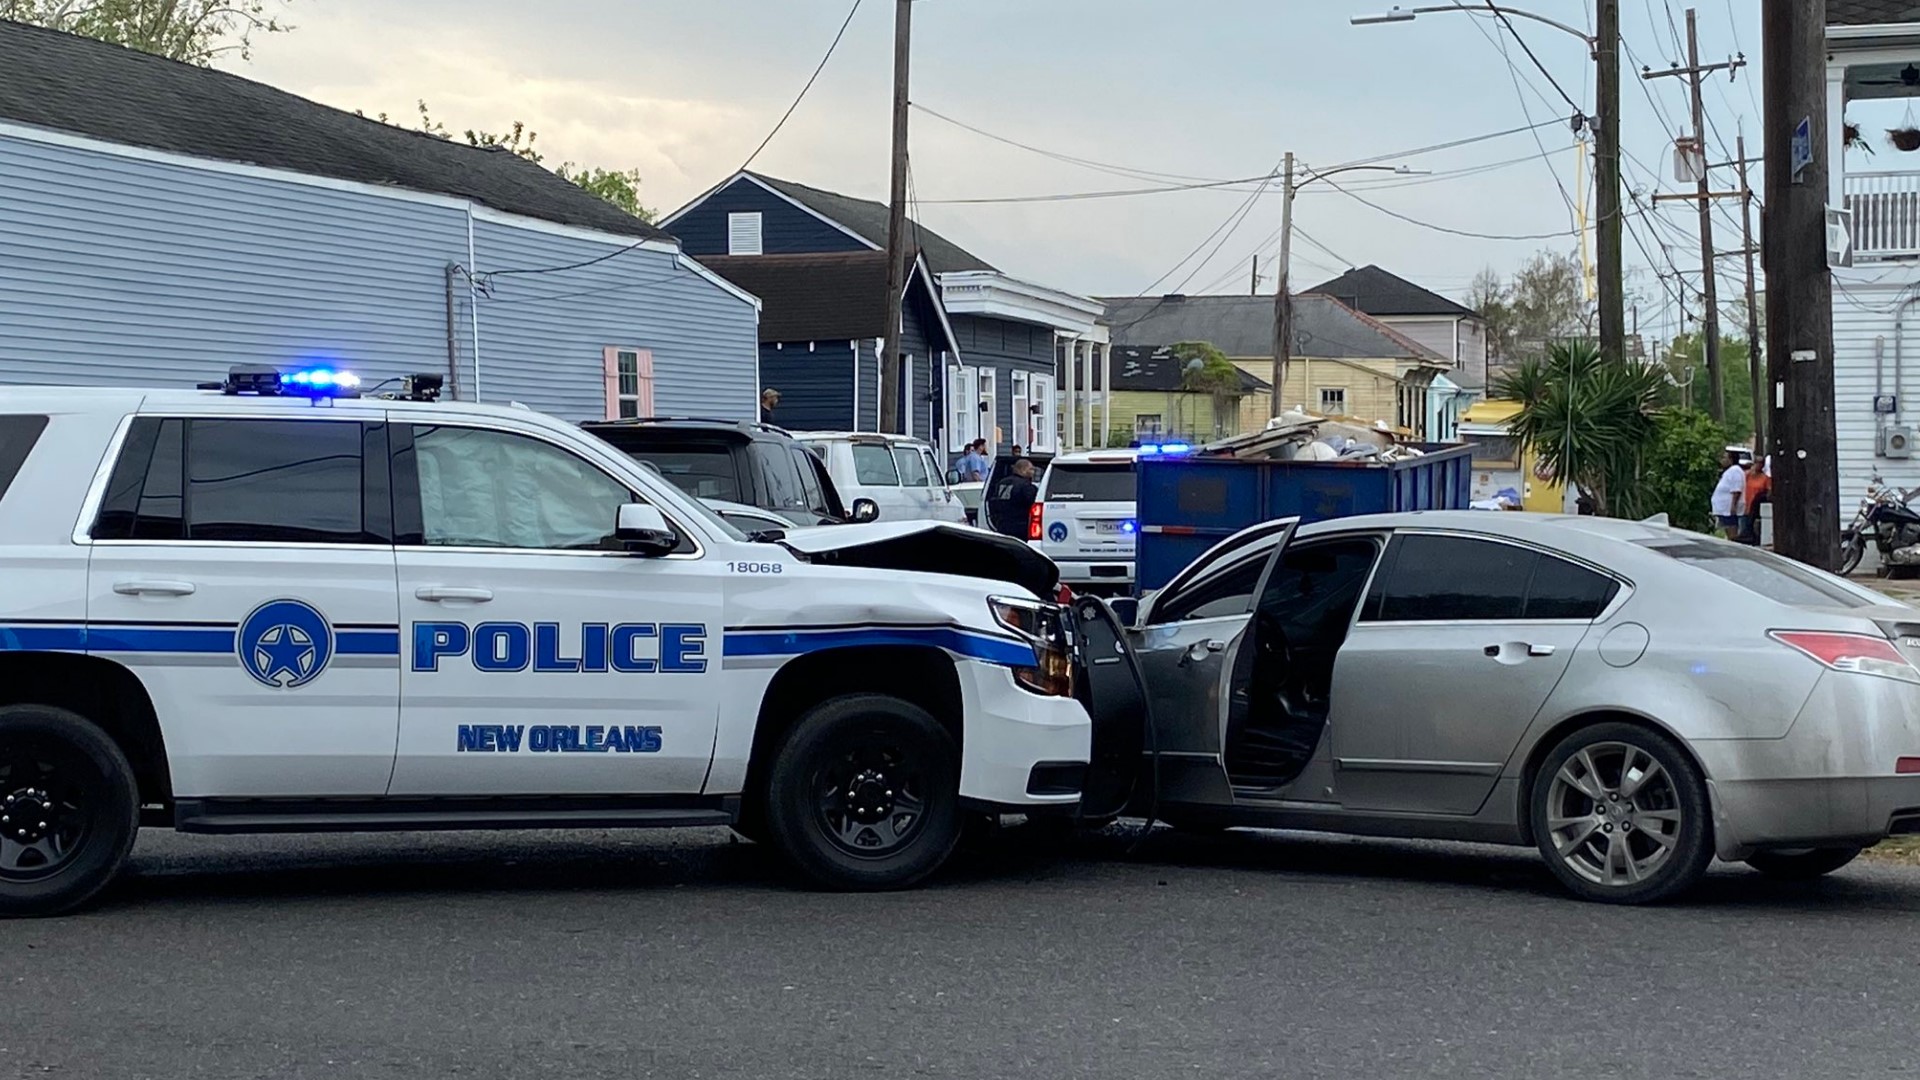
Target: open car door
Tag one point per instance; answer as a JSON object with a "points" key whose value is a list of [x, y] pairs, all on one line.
{"points": [[1107, 682]]}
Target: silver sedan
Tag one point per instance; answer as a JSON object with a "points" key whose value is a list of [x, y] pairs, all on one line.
{"points": [[1630, 698]]}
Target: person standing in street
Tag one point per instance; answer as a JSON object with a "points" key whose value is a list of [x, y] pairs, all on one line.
{"points": [[1010, 502], [1759, 488], [1728, 495], [769, 398], [973, 464]]}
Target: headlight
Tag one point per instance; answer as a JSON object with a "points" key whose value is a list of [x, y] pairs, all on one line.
{"points": [[1040, 625]]}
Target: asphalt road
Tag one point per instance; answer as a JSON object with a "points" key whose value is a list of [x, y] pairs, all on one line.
{"points": [[682, 955]]}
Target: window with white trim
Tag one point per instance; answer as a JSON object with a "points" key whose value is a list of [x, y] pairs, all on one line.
{"points": [[987, 408], [629, 382], [1146, 425], [743, 233], [1043, 405], [963, 407], [912, 396], [1022, 434], [1333, 400]]}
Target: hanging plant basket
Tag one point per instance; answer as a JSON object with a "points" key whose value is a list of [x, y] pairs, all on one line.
{"points": [[1905, 139], [1853, 140]]}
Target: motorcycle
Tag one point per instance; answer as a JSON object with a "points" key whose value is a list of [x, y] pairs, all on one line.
{"points": [[1894, 527]]}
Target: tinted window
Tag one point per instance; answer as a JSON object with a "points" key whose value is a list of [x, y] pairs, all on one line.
{"points": [[263, 480], [873, 464], [501, 490], [809, 481], [1561, 590], [704, 472], [1090, 483], [1452, 578], [1226, 591], [780, 475], [1311, 594], [913, 467], [17, 436], [159, 511], [1771, 576]]}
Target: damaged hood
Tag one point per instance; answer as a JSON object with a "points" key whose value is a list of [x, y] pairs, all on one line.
{"points": [[928, 547]]}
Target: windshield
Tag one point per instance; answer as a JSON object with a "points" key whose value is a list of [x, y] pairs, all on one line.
{"points": [[1778, 579], [704, 472], [1090, 483]]}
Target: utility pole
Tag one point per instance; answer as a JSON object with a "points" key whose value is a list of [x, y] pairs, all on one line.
{"points": [[1254, 289], [898, 250], [1709, 288], [1806, 482], [1755, 366], [1606, 179], [1282, 302]]}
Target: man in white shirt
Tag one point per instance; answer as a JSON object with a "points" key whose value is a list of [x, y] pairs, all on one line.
{"points": [[1728, 494]]}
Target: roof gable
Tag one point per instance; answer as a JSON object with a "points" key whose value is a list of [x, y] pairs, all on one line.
{"points": [[1377, 292], [75, 84], [830, 296]]}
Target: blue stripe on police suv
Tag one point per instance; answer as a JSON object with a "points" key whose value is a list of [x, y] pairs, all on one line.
{"points": [[638, 648]]}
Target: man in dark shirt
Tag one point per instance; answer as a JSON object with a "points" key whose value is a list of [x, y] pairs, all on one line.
{"points": [[1011, 500]]}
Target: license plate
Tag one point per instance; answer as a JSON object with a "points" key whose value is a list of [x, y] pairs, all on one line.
{"points": [[1107, 528]]}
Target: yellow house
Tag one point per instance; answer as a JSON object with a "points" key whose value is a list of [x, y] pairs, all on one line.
{"points": [[1344, 363], [1151, 399], [1500, 463]]}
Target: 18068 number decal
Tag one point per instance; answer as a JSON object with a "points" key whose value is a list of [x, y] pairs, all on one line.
{"points": [[755, 568]]}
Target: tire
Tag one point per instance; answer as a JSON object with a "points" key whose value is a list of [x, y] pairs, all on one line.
{"points": [[81, 810], [1804, 864], [1850, 554], [896, 815], [1613, 827]]}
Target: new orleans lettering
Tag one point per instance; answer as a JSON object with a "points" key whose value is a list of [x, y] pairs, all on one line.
{"points": [[637, 648], [557, 739]]}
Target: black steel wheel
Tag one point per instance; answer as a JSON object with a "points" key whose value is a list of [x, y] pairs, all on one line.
{"points": [[1620, 813], [1852, 549], [1803, 864], [865, 794], [69, 809]]}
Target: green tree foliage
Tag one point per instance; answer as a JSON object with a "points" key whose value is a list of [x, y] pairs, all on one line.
{"points": [[193, 31], [1586, 420], [1213, 374], [1543, 302], [622, 189], [1681, 468], [1685, 361]]}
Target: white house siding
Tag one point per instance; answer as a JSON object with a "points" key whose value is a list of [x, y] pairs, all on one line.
{"points": [[141, 269], [542, 336], [1866, 302]]}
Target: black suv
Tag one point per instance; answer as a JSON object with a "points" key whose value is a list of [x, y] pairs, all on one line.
{"points": [[732, 461]]}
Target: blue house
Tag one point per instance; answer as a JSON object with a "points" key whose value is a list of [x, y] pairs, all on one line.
{"points": [[1001, 343], [161, 222]]}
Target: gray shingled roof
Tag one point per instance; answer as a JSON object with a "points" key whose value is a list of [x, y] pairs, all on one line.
{"points": [[1871, 12], [1377, 292], [869, 219], [1242, 327], [1154, 368], [87, 87]]}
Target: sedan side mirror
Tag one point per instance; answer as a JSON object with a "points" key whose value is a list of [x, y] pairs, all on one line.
{"points": [[953, 476], [641, 529], [865, 510]]}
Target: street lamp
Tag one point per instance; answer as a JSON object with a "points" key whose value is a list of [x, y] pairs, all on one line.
{"points": [[1604, 47], [1400, 15], [1282, 300]]}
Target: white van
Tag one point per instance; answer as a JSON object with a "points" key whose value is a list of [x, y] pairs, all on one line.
{"points": [[902, 476], [1085, 519]]}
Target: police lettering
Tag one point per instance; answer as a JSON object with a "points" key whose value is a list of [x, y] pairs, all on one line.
{"points": [[637, 648], [557, 739]]}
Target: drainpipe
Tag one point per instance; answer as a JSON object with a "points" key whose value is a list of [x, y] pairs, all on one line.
{"points": [[473, 303]]}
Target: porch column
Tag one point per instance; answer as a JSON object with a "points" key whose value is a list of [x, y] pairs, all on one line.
{"points": [[1106, 388], [1836, 135], [1093, 351]]}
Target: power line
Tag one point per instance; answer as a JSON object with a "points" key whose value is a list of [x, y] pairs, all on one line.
{"points": [[1445, 229], [1528, 49], [1341, 259], [818, 68]]}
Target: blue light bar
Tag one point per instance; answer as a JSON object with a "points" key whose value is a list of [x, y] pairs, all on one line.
{"points": [[320, 382], [1148, 449], [1176, 448]]}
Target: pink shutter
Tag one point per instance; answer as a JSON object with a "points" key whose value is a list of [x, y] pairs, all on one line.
{"points": [[610, 365], [645, 366]]}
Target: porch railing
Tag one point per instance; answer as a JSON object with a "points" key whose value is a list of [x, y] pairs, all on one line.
{"points": [[1886, 214]]}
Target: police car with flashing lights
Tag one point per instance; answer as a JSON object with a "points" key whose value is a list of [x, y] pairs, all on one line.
{"points": [[280, 604]]}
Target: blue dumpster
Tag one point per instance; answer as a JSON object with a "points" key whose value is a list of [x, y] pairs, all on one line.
{"points": [[1189, 504]]}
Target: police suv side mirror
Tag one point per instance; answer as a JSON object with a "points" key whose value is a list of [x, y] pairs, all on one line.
{"points": [[953, 476], [643, 530], [865, 510]]}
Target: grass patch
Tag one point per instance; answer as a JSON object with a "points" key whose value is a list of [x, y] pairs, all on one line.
{"points": [[1899, 849]]}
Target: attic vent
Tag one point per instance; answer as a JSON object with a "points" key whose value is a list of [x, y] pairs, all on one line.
{"points": [[743, 234]]}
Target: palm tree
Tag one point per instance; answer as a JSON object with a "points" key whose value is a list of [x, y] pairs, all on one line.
{"points": [[1586, 420]]}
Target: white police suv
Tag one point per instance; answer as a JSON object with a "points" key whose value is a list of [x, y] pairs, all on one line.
{"points": [[277, 605]]}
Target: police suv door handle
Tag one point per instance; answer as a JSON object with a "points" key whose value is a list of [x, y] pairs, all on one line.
{"points": [[153, 588], [441, 593]]}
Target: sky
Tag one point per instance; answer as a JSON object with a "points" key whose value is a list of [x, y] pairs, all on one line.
{"points": [[683, 90]]}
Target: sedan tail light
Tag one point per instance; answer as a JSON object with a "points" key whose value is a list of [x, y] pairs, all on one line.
{"points": [[1864, 654], [1034, 515], [1907, 766]]}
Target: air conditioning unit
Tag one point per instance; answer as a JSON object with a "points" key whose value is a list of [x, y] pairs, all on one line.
{"points": [[1896, 441]]}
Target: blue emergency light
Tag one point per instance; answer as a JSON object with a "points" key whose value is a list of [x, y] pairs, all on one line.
{"points": [[320, 382], [1172, 449]]}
